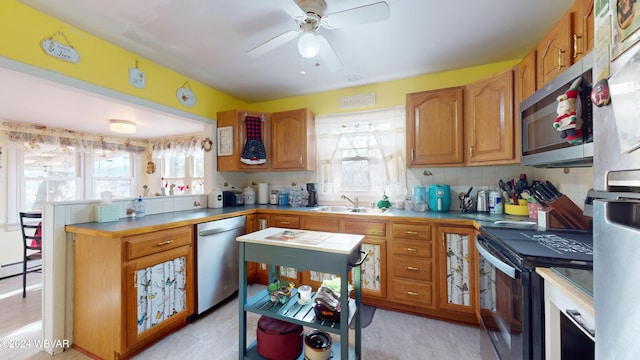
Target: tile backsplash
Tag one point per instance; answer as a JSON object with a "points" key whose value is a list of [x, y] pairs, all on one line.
{"points": [[573, 182]]}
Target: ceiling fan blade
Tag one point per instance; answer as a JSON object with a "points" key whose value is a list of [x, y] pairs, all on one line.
{"points": [[359, 15], [328, 56], [291, 8], [273, 43]]}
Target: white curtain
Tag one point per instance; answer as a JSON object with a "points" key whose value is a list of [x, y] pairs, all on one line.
{"points": [[378, 136]]}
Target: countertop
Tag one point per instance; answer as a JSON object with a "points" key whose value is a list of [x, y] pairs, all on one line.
{"points": [[130, 226], [561, 280], [304, 239]]}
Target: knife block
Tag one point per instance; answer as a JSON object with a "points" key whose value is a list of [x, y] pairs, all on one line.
{"points": [[565, 214]]}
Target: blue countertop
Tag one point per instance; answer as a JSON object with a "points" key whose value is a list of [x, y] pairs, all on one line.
{"points": [[149, 222]]}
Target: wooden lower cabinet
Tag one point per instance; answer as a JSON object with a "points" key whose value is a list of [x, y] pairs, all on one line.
{"points": [[457, 275], [412, 264], [131, 291]]}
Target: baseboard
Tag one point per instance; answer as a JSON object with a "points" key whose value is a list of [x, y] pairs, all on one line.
{"points": [[8, 270]]}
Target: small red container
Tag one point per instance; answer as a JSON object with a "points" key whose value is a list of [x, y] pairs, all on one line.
{"points": [[279, 340]]}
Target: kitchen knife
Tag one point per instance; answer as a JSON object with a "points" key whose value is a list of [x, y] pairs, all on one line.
{"points": [[553, 188], [538, 195], [548, 193]]}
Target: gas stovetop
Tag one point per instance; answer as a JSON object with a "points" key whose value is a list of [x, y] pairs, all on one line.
{"points": [[549, 245]]}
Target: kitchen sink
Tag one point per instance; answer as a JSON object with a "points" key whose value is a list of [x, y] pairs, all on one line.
{"points": [[347, 209]]}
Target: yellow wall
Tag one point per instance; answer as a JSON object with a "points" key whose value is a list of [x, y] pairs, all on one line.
{"points": [[390, 93], [101, 63], [106, 65]]}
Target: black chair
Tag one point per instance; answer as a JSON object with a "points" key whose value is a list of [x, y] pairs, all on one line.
{"points": [[31, 224]]}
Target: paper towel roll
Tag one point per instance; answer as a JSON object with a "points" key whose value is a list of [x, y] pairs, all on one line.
{"points": [[263, 193]]}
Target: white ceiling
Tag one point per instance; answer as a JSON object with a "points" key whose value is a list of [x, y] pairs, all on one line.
{"points": [[207, 40]]}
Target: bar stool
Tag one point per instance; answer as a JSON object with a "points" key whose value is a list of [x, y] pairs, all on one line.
{"points": [[31, 224]]}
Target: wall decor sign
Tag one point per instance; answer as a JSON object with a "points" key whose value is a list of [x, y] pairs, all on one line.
{"points": [[137, 78], [225, 141], [59, 50], [185, 95]]}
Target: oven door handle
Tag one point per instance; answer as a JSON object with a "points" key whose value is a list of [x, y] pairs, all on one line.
{"points": [[509, 270]]}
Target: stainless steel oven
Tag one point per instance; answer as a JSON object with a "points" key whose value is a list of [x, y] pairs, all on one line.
{"points": [[512, 293]]}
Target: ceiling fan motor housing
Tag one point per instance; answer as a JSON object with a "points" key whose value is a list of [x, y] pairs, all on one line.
{"points": [[314, 9]]}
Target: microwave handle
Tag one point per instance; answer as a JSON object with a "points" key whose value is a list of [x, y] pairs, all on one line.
{"points": [[509, 270]]}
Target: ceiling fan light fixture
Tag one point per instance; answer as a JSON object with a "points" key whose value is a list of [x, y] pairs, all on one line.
{"points": [[308, 45], [122, 126]]}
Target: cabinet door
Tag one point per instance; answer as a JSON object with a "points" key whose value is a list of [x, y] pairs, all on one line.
{"points": [[236, 119], [583, 28], [554, 50], [489, 120], [434, 127], [160, 293], [293, 140], [458, 278], [525, 83]]}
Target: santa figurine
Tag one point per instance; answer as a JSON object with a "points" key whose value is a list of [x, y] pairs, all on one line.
{"points": [[568, 123]]}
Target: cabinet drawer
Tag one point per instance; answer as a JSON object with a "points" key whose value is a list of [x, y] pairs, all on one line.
{"points": [[411, 231], [413, 268], [413, 293], [321, 224], [151, 243], [373, 228], [412, 248], [286, 221]]}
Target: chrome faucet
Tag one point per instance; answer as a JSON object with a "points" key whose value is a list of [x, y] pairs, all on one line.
{"points": [[354, 201]]}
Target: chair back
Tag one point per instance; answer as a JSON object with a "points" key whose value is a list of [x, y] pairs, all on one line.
{"points": [[31, 224]]}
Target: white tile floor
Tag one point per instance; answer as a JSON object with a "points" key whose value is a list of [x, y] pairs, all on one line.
{"points": [[390, 336]]}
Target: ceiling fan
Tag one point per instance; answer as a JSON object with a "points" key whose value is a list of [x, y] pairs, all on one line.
{"points": [[310, 15]]}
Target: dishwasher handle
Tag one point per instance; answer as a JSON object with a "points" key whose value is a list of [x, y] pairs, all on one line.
{"points": [[219, 230]]}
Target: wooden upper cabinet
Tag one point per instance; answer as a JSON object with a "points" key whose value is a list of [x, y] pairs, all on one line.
{"points": [[435, 127], [236, 119], [583, 28], [293, 145], [489, 120], [555, 50], [525, 83]]}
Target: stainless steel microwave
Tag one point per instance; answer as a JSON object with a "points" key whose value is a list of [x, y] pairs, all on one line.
{"points": [[542, 144]]}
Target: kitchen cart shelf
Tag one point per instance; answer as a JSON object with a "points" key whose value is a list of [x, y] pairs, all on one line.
{"points": [[331, 253], [336, 348], [294, 312]]}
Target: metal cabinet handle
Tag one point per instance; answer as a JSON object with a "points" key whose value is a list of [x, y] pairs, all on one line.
{"points": [[576, 316], [560, 65], [412, 268], [411, 232], [412, 293], [163, 243], [575, 46], [411, 249], [412, 155], [285, 222]]}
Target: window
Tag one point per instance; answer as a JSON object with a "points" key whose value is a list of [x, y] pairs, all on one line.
{"points": [[112, 171], [362, 152], [185, 170], [50, 174]]}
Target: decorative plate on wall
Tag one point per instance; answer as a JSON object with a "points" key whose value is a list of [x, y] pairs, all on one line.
{"points": [[185, 95]]}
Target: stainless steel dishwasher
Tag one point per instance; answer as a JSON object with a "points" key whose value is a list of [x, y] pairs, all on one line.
{"points": [[217, 260]]}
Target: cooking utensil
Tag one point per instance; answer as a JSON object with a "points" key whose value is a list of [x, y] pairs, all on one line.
{"points": [[468, 192]]}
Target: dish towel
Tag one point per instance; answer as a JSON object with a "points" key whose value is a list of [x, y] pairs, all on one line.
{"points": [[253, 152]]}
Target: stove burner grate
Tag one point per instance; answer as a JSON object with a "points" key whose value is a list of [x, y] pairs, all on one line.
{"points": [[562, 245]]}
